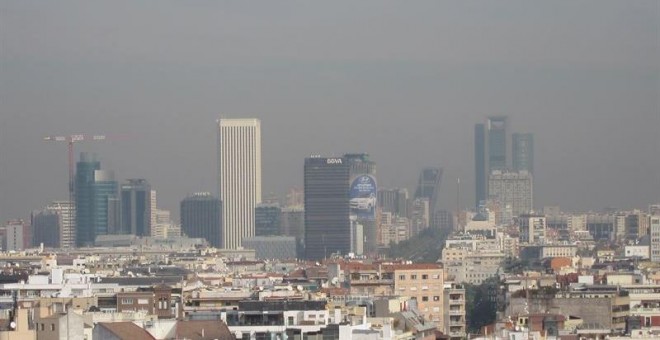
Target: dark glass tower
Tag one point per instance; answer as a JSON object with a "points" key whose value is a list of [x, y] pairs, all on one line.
{"points": [[267, 218], [522, 148], [136, 207], [105, 204], [497, 143], [480, 163], [327, 207], [428, 186], [46, 228], [84, 189], [201, 216]]}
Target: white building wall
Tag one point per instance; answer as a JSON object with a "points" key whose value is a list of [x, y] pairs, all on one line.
{"points": [[239, 177], [655, 238]]}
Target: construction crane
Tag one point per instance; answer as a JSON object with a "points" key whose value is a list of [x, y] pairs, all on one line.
{"points": [[70, 140]]}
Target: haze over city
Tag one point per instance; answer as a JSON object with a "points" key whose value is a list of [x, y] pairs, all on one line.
{"points": [[404, 82]]}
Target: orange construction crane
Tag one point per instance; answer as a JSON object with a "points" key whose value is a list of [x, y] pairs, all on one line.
{"points": [[70, 139]]}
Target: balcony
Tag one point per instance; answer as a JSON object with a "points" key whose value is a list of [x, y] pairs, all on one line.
{"points": [[456, 302], [453, 323], [457, 334], [456, 312], [645, 311]]}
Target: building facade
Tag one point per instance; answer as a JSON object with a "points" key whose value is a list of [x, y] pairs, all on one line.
{"points": [[267, 219], [239, 177], [97, 201], [201, 217], [480, 170], [136, 209], [513, 189], [497, 137], [327, 207], [654, 227], [522, 148]]}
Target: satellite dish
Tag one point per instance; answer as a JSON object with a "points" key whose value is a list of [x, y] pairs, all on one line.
{"points": [[12, 325]]}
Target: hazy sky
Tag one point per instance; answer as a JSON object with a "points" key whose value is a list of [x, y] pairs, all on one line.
{"points": [[404, 81]]}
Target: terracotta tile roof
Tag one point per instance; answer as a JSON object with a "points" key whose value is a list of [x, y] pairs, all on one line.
{"points": [[126, 330]]}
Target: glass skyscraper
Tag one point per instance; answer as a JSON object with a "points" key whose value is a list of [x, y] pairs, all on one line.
{"points": [[497, 143], [201, 217], [97, 204], [522, 148], [480, 163], [267, 218], [136, 207], [327, 207]]}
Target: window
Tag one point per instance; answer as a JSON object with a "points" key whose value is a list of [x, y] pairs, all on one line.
{"points": [[402, 277], [425, 277], [126, 301], [413, 277], [290, 322], [425, 298], [52, 326], [436, 298]]}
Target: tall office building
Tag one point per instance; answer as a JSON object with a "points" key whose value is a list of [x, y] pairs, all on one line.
{"points": [[53, 226], [97, 202], [512, 189], [394, 201], [327, 207], [428, 187], [497, 137], [522, 148], [480, 170], [654, 228], [267, 218], [136, 207], [239, 177], [84, 181], [42, 225], [18, 235], [201, 217], [107, 217], [45, 228]]}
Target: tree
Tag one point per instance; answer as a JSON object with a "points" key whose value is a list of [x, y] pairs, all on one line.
{"points": [[481, 304]]}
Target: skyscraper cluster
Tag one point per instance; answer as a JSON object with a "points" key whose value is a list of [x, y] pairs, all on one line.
{"points": [[502, 176]]}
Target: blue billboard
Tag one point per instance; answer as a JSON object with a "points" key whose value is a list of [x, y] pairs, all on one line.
{"points": [[363, 198]]}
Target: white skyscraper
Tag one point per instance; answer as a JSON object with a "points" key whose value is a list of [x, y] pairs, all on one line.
{"points": [[67, 213], [239, 177]]}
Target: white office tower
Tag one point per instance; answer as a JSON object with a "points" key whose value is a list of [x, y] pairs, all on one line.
{"points": [[655, 237], [154, 207], [67, 214], [239, 177]]}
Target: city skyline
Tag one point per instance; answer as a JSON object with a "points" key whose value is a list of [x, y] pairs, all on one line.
{"points": [[591, 103]]}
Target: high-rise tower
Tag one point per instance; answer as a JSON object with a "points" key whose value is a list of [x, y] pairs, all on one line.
{"points": [[522, 148], [136, 207], [480, 170], [497, 137], [97, 202], [239, 177], [201, 214], [327, 207]]}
